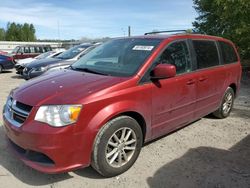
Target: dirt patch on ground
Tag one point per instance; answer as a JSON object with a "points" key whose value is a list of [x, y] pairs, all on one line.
{"points": [[207, 153]]}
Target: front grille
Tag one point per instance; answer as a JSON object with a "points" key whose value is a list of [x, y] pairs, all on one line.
{"points": [[24, 107], [18, 118], [16, 112]]}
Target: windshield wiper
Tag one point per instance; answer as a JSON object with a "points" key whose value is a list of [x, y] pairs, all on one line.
{"points": [[88, 70]]}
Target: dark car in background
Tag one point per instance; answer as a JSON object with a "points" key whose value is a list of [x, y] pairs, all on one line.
{"points": [[23, 62], [65, 59], [26, 51], [6, 62]]}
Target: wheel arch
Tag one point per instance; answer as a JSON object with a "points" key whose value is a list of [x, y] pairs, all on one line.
{"points": [[234, 87], [140, 120], [129, 108]]}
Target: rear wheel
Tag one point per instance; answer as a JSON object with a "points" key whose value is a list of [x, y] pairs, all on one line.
{"points": [[226, 104], [1, 69], [117, 146]]}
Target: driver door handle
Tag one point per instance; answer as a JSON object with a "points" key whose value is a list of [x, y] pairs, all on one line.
{"points": [[191, 82]]}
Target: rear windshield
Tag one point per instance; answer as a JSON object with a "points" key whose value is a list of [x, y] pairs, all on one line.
{"points": [[118, 57]]}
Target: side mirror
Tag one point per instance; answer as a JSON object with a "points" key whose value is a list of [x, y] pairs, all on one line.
{"points": [[163, 71]]}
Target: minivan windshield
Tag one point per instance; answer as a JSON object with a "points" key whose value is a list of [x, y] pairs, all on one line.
{"points": [[72, 52], [118, 57]]}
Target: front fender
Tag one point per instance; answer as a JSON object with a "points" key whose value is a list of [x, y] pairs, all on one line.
{"points": [[113, 110]]}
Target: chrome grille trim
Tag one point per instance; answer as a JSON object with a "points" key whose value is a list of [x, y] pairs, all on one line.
{"points": [[11, 111]]}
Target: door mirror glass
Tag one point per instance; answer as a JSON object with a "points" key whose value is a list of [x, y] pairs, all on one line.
{"points": [[163, 71]]}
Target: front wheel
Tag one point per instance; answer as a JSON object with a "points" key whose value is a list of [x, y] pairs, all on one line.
{"points": [[226, 104], [1, 69], [117, 146]]}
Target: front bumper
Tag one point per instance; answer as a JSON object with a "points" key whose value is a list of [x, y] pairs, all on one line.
{"points": [[48, 149], [29, 74], [19, 69]]}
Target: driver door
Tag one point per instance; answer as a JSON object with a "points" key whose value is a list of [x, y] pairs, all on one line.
{"points": [[173, 99]]}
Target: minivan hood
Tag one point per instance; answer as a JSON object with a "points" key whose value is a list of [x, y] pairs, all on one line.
{"points": [[63, 87]]}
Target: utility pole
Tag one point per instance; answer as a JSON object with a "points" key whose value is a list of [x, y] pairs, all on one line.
{"points": [[129, 31], [58, 30]]}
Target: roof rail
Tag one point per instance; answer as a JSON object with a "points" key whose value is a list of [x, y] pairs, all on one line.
{"points": [[169, 31]]}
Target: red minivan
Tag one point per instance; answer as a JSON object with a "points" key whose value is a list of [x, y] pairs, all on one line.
{"points": [[124, 93], [26, 51]]}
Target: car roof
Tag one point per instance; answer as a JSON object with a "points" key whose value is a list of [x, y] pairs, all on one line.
{"points": [[34, 45], [180, 36]]}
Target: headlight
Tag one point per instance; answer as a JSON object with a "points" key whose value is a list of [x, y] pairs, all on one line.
{"points": [[39, 69], [58, 115]]}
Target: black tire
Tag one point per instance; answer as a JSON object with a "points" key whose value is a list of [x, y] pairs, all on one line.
{"points": [[1, 69], [222, 113], [101, 149]]}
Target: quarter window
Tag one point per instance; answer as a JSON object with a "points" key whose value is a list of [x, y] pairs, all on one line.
{"points": [[228, 53], [177, 54], [206, 53]]}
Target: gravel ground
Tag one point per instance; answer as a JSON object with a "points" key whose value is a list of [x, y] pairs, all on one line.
{"points": [[207, 153]]}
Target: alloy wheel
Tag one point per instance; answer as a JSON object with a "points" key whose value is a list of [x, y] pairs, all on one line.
{"points": [[121, 147], [228, 102]]}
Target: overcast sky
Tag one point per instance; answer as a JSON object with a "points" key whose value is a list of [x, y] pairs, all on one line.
{"points": [[97, 18]]}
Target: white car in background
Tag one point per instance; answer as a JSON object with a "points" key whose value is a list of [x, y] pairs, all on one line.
{"points": [[20, 65]]}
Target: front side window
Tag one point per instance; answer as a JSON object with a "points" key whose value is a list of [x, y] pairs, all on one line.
{"points": [[118, 57], [177, 54], [206, 53], [228, 53], [21, 50]]}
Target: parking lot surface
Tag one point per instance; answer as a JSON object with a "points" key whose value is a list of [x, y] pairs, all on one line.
{"points": [[207, 153]]}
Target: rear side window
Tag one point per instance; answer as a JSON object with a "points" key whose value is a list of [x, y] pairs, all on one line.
{"points": [[177, 54], [206, 53], [37, 50], [32, 49], [228, 53], [26, 50], [41, 50]]}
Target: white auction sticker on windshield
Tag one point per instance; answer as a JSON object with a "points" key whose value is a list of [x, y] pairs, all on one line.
{"points": [[145, 48]]}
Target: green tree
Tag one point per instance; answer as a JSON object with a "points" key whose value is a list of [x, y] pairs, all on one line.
{"points": [[226, 18], [26, 32], [32, 33], [20, 32], [10, 33], [2, 34]]}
